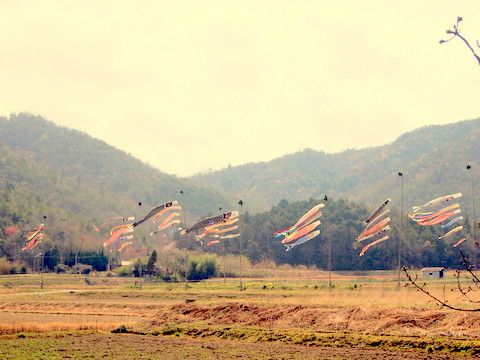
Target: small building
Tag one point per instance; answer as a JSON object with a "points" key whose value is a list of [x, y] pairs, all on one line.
{"points": [[433, 272]]}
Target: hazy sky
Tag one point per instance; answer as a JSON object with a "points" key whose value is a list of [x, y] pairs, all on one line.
{"points": [[191, 85]]}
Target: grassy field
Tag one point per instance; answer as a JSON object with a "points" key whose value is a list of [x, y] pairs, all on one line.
{"points": [[363, 314]]}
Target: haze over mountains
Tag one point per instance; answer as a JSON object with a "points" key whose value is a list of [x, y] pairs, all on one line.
{"points": [[432, 159]]}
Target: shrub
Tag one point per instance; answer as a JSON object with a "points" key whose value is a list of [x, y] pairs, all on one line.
{"points": [[124, 270], [60, 268], [4, 266], [203, 267]]}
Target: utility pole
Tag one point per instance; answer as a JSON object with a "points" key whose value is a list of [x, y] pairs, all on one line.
{"points": [[241, 250], [400, 237], [474, 216], [186, 254], [329, 247]]}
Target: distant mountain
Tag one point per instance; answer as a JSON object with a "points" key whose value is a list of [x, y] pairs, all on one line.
{"points": [[432, 159]]}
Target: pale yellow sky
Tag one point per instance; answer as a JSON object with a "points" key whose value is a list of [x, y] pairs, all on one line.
{"points": [[192, 85]]}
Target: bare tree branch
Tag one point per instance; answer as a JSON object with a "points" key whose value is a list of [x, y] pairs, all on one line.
{"points": [[422, 289], [456, 33]]}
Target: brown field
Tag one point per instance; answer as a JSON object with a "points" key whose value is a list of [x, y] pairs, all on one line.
{"points": [[364, 316]]}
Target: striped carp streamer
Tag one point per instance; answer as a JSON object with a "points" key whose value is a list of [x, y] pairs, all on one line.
{"points": [[303, 230], [376, 212], [215, 228], [37, 239], [439, 218], [437, 201], [33, 237], [311, 215], [376, 225], [373, 229], [213, 220], [420, 217], [155, 212]]}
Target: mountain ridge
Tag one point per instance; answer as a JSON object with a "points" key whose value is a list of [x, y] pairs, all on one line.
{"points": [[358, 175]]}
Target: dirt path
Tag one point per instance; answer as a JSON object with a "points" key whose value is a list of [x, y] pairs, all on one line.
{"points": [[129, 347]]}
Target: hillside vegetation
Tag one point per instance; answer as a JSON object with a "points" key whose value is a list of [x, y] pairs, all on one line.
{"points": [[432, 159]]}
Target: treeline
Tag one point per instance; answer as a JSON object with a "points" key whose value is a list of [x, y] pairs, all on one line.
{"points": [[341, 223]]}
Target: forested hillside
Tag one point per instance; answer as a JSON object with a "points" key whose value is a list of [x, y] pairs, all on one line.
{"points": [[70, 181], [432, 159], [102, 168]]}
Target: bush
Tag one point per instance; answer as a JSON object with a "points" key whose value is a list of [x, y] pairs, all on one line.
{"points": [[4, 266], [13, 270], [61, 268], [84, 269], [124, 270], [203, 267]]}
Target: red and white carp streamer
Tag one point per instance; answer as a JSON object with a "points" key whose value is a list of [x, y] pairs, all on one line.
{"points": [[113, 221], [453, 231], [439, 219], [301, 232], [419, 217], [167, 225], [311, 215], [124, 245], [160, 213], [374, 228], [302, 240], [372, 244], [117, 234], [379, 232], [376, 213], [114, 229], [215, 230], [168, 219], [459, 242], [437, 201], [213, 242]]}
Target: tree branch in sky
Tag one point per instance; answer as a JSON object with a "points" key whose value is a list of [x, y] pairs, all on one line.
{"points": [[456, 33]]}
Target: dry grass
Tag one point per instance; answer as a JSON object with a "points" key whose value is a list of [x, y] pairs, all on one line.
{"points": [[366, 303], [35, 327]]}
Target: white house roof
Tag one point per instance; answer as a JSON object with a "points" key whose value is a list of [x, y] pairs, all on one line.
{"points": [[433, 268]]}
